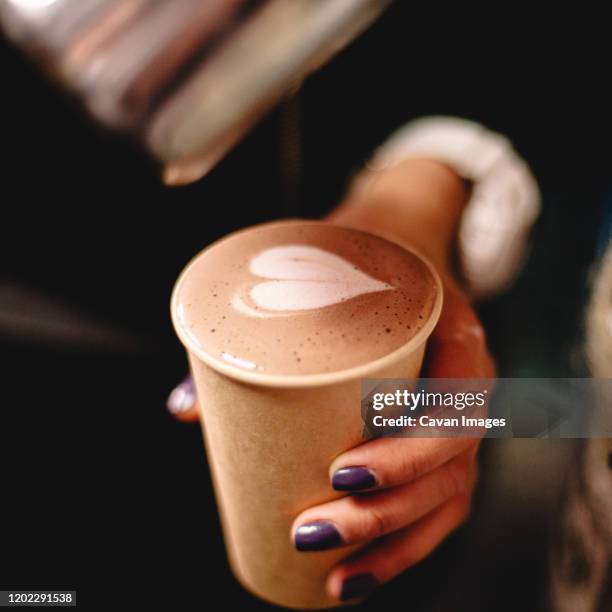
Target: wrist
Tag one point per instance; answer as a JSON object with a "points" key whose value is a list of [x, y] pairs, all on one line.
{"points": [[418, 202], [504, 201]]}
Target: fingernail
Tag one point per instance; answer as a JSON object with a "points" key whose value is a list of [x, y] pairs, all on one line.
{"points": [[182, 398], [318, 535], [357, 586], [354, 478]]}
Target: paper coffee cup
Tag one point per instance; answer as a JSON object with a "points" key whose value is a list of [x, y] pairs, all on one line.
{"points": [[270, 441]]}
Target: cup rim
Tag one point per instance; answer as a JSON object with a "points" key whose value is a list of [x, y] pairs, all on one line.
{"points": [[304, 380]]}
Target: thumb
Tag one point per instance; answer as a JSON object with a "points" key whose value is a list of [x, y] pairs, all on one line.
{"points": [[182, 401]]}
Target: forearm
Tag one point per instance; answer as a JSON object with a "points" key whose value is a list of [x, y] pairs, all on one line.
{"points": [[418, 202]]}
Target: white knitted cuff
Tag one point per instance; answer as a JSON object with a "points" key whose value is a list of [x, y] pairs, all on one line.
{"points": [[504, 204]]}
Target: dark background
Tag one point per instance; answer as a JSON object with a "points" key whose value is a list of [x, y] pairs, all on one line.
{"points": [[104, 492]]}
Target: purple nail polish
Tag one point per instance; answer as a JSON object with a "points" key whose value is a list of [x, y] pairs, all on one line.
{"points": [[318, 535], [358, 586], [182, 398], [353, 478]]}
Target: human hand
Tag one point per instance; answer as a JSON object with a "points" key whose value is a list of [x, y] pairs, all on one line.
{"points": [[407, 494]]}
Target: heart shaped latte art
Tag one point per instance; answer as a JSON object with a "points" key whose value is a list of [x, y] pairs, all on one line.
{"points": [[303, 277]]}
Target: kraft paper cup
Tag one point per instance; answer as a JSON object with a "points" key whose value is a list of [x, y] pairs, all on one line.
{"points": [[270, 441]]}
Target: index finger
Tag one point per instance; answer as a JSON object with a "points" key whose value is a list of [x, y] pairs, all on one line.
{"points": [[387, 462]]}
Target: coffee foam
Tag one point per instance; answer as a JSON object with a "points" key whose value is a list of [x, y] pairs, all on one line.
{"points": [[299, 298]]}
